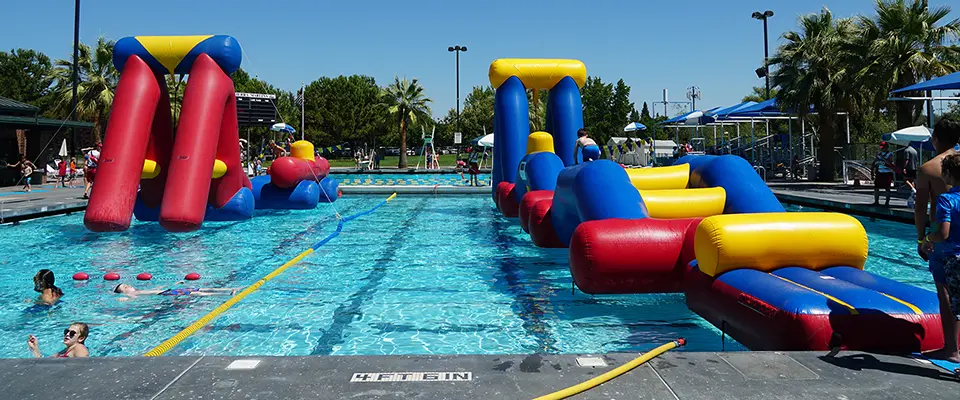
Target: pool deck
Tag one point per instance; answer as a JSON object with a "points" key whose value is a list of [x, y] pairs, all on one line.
{"points": [[674, 375], [17, 205], [857, 200]]}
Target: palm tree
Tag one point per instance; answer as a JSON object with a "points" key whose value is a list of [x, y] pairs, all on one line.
{"points": [[176, 87], [98, 80], [904, 44], [812, 69], [759, 94], [407, 103]]}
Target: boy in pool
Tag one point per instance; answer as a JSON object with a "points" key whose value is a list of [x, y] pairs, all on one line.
{"points": [[131, 292], [590, 151], [948, 207]]}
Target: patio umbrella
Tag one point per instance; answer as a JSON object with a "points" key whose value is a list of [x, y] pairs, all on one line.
{"points": [[634, 126], [904, 136], [63, 149], [282, 127], [486, 141]]}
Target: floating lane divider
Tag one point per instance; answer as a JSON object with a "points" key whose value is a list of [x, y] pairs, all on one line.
{"points": [[613, 373], [192, 328]]}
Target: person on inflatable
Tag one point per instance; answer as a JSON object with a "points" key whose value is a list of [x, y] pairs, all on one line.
{"points": [[591, 151]]}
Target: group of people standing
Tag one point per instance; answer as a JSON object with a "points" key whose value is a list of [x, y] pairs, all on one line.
{"points": [[66, 170]]}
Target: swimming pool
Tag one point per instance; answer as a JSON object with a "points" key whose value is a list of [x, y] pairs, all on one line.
{"points": [[423, 275], [409, 179]]}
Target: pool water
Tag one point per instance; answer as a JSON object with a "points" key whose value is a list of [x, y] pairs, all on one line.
{"points": [[410, 179], [422, 275]]}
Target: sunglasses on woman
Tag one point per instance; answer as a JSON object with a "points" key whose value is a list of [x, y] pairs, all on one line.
{"points": [[69, 333]]}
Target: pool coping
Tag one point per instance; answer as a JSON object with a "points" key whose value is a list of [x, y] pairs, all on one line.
{"points": [[810, 200], [674, 375]]}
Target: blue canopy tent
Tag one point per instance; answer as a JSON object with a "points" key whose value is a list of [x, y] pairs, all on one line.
{"points": [[946, 82]]}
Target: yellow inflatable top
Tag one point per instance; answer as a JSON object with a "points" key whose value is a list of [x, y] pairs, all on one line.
{"points": [[537, 73]]}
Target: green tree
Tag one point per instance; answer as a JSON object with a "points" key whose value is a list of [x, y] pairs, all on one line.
{"points": [[812, 68], [620, 107], [477, 114], [904, 44], [343, 109], [98, 81], [597, 99], [407, 103], [634, 116], [25, 76], [759, 94], [175, 87], [645, 112]]}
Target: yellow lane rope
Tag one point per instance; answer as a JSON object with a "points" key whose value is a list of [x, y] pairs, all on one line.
{"points": [[194, 327], [609, 375]]}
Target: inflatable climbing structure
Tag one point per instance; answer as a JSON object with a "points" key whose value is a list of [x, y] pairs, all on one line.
{"points": [[181, 180], [707, 226]]}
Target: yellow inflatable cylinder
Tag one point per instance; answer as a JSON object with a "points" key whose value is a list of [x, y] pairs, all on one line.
{"points": [[150, 170], [768, 241], [302, 149], [537, 73], [660, 178], [539, 141], [684, 203], [219, 169]]}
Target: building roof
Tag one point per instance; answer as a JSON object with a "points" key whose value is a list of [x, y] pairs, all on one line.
{"points": [[21, 114], [41, 121], [8, 105]]}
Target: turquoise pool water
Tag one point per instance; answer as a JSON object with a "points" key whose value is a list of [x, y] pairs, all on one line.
{"points": [[423, 275], [409, 179]]}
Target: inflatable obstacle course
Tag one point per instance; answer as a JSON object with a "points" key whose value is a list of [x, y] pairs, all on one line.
{"points": [[707, 226], [184, 179]]}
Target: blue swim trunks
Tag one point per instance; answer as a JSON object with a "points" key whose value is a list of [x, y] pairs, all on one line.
{"points": [[591, 153], [936, 264], [179, 291]]}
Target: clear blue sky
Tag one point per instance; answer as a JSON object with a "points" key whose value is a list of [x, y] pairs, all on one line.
{"points": [[650, 44]]}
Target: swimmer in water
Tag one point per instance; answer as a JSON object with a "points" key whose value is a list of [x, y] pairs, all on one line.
{"points": [[131, 292], [73, 338], [591, 151], [43, 283]]}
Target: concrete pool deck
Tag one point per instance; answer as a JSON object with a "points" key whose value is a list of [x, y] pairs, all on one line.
{"points": [[17, 205], [674, 375], [857, 200]]}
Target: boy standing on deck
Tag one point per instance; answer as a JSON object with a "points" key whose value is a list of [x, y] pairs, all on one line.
{"points": [[930, 185], [948, 209]]}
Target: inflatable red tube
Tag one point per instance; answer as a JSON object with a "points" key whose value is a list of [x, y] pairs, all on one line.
{"points": [[507, 200], [121, 160], [208, 117], [632, 256], [526, 204], [541, 226], [288, 172]]}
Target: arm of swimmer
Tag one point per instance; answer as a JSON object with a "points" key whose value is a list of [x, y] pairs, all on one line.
{"points": [[921, 201]]}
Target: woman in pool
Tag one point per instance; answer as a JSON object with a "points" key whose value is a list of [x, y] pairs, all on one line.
{"points": [[73, 338], [43, 283], [131, 292]]}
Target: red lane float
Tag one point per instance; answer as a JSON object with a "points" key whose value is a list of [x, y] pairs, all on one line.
{"points": [[288, 172], [526, 205], [632, 256], [507, 200], [81, 276], [192, 276], [112, 276], [143, 276]]}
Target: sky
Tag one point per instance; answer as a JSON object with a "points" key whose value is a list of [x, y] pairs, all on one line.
{"points": [[651, 45]]}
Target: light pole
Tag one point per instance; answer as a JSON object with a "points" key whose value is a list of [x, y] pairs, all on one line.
{"points": [[76, 74], [457, 49], [766, 51]]}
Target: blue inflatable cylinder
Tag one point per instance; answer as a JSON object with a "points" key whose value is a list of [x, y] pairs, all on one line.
{"points": [[746, 191], [537, 171], [328, 190], [496, 175], [513, 116], [304, 196], [566, 111], [592, 191]]}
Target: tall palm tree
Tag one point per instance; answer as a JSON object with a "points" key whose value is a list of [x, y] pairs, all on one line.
{"points": [[98, 80], [407, 104], [906, 43], [759, 94], [813, 69]]}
